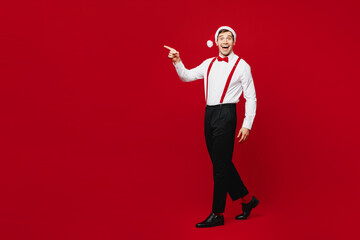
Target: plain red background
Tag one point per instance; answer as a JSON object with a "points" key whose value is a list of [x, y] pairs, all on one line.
{"points": [[101, 140]]}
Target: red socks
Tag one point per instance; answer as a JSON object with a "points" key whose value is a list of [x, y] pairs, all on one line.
{"points": [[246, 199]]}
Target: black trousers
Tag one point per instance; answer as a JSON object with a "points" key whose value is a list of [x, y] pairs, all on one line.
{"points": [[220, 127]]}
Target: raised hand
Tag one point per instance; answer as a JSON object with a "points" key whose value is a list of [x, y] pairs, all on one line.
{"points": [[173, 54]]}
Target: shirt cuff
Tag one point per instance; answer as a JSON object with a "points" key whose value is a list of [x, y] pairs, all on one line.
{"points": [[247, 124], [179, 65]]}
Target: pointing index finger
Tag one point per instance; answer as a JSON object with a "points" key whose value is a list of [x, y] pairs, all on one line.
{"points": [[169, 48]]}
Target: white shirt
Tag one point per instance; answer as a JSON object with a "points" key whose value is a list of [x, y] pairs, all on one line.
{"points": [[241, 81]]}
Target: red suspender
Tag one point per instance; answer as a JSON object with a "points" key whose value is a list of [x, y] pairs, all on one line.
{"points": [[228, 80], [207, 78]]}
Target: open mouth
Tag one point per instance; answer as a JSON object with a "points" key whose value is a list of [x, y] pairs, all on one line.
{"points": [[225, 48]]}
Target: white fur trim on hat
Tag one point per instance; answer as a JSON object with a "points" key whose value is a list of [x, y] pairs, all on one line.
{"points": [[227, 28]]}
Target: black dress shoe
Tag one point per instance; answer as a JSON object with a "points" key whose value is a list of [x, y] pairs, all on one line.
{"points": [[211, 221], [247, 207]]}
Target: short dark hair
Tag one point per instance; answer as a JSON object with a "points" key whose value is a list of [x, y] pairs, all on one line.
{"points": [[225, 30]]}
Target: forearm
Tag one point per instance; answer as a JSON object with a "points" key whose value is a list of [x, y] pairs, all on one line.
{"points": [[185, 74], [250, 112], [251, 101]]}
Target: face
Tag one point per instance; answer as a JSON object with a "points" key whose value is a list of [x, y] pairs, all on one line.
{"points": [[225, 42]]}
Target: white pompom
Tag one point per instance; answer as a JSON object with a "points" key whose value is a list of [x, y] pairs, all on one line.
{"points": [[209, 43]]}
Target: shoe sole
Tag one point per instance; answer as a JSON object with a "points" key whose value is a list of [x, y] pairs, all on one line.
{"points": [[219, 224]]}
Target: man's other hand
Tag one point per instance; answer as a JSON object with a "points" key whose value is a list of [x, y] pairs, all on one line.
{"points": [[243, 134]]}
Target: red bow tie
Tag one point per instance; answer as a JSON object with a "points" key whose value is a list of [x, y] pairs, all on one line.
{"points": [[226, 59]]}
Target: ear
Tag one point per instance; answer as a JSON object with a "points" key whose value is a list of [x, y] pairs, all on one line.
{"points": [[217, 43]]}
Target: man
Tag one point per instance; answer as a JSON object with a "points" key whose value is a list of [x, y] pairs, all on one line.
{"points": [[225, 78]]}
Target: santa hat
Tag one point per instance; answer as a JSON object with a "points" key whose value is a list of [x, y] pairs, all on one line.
{"points": [[210, 43]]}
